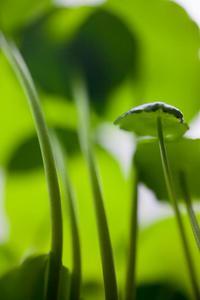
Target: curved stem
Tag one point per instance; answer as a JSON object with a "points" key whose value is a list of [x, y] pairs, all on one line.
{"points": [[190, 211], [130, 287], [76, 275], [110, 282], [22, 72], [172, 198]]}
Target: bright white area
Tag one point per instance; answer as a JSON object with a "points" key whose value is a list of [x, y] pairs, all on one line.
{"points": [[150, 209], [192, 7], [119, 143], [194, 131], [76, 3], [4, 228]]}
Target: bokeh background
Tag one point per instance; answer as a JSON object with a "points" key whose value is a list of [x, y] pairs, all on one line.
{"points": [[130, 52]]}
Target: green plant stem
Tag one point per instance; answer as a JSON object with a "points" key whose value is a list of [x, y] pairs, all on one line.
{"points": [[22, 72], [130, 286], [110, 282], [190, 211], [76, 275], [172, 198]]}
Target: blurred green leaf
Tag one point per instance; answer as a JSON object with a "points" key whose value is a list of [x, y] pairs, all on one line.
{"points": [[105, 54], [8, 258], [17, 125], [158, 45], [27, 156], [157, 291], [15, 119], [14, 14], [27, 210], [155, 44], [26, 202], [168, 50], [184, 155], [92, 290], [43, 45], [27, 282], [161, 257]]}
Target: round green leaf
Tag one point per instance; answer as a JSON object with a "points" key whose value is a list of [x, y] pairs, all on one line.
{"points": [[142, 120]]}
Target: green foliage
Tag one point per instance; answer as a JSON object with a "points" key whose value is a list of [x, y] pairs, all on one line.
{"points": [[14, 15], [129, 52], [168, 44], [142, 120], [27, 282], [159, 291], [183, 156], [161, 256]]}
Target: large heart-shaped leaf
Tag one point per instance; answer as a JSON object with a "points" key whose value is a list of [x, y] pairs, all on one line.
{"points": [[105, 54]]}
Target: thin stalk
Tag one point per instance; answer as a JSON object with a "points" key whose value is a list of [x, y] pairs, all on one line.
{"points": [[190, 210], [172, 198], [76, 274], [22, 72], [130, 286], [109, 275]]}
